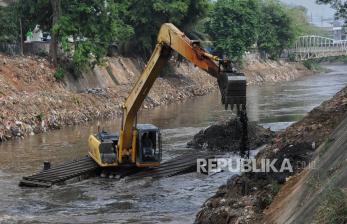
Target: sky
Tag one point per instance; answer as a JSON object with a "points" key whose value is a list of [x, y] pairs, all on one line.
{"points": [[316, 11]]}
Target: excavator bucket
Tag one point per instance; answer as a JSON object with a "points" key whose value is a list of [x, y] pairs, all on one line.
{"points": [[235, 91]]}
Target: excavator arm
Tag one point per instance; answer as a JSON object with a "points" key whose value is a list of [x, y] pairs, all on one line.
{"points": [[136, 143], [232, 85]]}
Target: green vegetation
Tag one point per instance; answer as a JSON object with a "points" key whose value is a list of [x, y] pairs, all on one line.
{"points": [[326, 146], [312, 64], [340, 6], [9, 25], [233, 26], [276, 31], [300, 22], [335, 59], [333, 208], [275, 187], [59, 74], [85, 29], [40, 117], [92, 25], [146, 17], [267, 25]]}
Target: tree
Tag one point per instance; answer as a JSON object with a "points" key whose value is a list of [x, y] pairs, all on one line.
{"points": [[276, 31], [33, 12], [146, 17], [301, 24], [233, 26], [56, 11], [92, 25], [340, 6], [9, 25]]}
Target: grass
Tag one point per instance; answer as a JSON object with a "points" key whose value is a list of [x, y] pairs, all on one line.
{"points": [[40, 117], [326, 146], [312, 64], [332, 59], [314, 181], [59, 74], [76, 100], [333, 208], [275, 187]]}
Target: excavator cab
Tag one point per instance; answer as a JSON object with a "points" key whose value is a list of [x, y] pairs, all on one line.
{"points": [[140, 144], [103, 147], [149, 147]]}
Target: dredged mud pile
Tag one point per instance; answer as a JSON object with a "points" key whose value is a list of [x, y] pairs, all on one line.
{"points": [[244, 198], [227, 136]]}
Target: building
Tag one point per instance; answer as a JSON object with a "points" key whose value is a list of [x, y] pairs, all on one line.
{"points": [[339, 31], [5, 2]]}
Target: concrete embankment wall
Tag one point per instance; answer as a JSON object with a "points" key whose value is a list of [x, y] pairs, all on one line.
{"points": [[260, 71], [318, 194], [121, 70], [312, 193], [32, 101]]}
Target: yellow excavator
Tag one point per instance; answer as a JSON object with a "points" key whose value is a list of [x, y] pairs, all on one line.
{"points": [[140, 144]]}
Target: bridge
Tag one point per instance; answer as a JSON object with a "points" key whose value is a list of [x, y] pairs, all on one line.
{"points": [[312, 46]]}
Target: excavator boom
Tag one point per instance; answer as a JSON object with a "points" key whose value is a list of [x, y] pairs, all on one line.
{"points": [[232, 85], [169, 38]]}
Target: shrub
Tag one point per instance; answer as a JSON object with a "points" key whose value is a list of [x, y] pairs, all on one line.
{"points": [[59, 74]]}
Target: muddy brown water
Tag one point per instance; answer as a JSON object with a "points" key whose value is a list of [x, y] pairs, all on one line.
{"points": [[170, 200]]}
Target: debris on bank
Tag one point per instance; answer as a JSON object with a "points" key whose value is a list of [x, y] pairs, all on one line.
{"points": [[32, 101], [318, 194], [227, 136], [259, 71], [244, 198]]}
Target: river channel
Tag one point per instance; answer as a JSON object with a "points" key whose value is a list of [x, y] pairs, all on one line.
{"points": [[170, 200]]}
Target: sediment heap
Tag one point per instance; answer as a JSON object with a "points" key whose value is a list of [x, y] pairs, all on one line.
{"points": [[227, 136], [321, 137]]}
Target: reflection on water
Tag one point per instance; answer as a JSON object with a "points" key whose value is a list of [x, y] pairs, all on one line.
{"points": [[171, 200]]}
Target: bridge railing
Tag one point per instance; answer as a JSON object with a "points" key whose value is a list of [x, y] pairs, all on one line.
{"points": [[313, 46]]}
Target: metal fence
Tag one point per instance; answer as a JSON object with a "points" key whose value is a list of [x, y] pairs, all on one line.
{"points": [[11, 49]]}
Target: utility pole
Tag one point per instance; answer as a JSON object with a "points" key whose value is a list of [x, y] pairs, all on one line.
{"points": [[19, 14]]}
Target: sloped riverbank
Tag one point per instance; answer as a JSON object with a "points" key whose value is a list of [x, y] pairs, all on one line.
{"points": [[171, 200], [32, 101], [245, 198]]}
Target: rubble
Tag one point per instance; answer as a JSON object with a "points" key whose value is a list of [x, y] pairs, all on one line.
{"points": [[259, 71], [244, 198], [32, 101], [96, 91], [30, 94]]}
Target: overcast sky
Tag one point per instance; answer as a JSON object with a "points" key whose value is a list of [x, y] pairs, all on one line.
{"points": [[317, 11]]}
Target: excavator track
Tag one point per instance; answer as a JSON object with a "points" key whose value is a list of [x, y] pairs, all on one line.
{"points": [[61, 173], [178, 166], [86, 167]]}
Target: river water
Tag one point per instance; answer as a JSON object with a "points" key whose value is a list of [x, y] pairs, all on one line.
{"points": [[170, 200]]}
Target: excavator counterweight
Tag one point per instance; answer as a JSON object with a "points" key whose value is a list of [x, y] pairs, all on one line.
{"points": [[140, 144]]}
